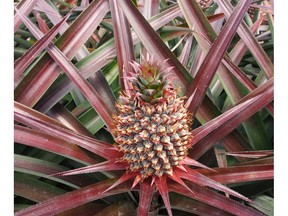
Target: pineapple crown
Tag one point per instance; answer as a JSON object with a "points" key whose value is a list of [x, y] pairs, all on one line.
{"points": [[150, 80]]}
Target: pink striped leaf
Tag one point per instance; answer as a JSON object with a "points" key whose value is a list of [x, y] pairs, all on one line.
{"points": [[199, 86], [123, 42], [232, 118], [146, 194], [73, 199], [50, 143], [100, 167], [214, 199], [33, 86], [21, 64], [250, 41], [38, 121], [240, 174]]}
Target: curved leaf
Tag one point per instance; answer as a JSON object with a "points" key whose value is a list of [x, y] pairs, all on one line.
{"points": [[219, 127], [250, 41], [123, 42], [50, 143], [197, 90], [73, 199], [21, 64], [240, 174], [25, 7], [41, 168], [214, 199], [36, 120], [33, 86]]}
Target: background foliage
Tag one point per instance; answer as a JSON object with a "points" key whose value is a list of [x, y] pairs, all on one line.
{"points": [[91, 42]]}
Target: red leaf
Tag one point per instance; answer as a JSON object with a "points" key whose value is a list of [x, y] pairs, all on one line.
{"points": [[146, 194], [50, 143], [43, 168], [25, 7], [62, 115], [215, 17], [202, 180], [152, 42], [100, 167], [161, 184], [222, 125], [99, 60], [34, 189], [39, 121], [42, 24], [122, 179], [33, 86], [73, 199], [21, 64], [250, 41], [72, 72], [251, 154], [192, 162], [212, 198], [194, 207], [123, 42], [239, 174], [199, 86], [175, 177]]}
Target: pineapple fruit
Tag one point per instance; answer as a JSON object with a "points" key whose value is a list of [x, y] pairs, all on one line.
{"points": [[153, 125]]}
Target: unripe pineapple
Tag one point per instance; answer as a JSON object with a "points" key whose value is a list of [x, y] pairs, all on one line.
{"points": [[153, 125]]}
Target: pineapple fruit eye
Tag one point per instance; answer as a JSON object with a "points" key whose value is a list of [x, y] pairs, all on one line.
{"points": [[153, 125]]}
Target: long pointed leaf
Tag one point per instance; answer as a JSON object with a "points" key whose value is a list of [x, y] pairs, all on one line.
{"points": [[72, 72], [98, 59], [194, 207], [61, 114], [105, 166], [201, 24], [25, 7], [44, 169], [33, 86], [199, 179], [36, 120], [123, 42], [73, 199], [251, 104], [21, 64], [199, 86], [33, 189], [251, 42], [146, 195], [50, 143], [214, 199], [161, 184], [251, 154], [240, 174]]}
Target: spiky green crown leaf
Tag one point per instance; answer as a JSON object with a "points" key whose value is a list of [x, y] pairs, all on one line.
{"points": [[150, 80]]}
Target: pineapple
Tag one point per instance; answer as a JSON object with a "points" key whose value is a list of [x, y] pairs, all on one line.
{"points": [[153, 125]]}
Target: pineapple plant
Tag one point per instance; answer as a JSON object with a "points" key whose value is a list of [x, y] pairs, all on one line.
{"points": [[106, 124]]}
